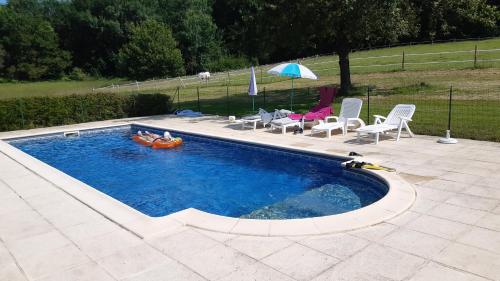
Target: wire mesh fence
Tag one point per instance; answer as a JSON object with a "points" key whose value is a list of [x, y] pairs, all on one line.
{"points": [[469, 56], [475, 111]]}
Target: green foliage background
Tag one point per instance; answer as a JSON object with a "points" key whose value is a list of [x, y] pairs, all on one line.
{"points": [[52, 39]]}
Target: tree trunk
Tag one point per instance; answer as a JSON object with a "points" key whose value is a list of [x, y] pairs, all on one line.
{"points": [[345, 71]]}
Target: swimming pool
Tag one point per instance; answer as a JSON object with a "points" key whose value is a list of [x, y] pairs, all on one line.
{"points": [[217, 176]]}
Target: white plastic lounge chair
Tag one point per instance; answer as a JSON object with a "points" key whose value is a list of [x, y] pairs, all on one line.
{"points": [[280, 121], [263, 117], [397, 119], [348, 117], [251, 121]]}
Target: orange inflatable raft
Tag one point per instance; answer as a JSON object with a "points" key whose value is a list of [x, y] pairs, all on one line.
{"points": [[157, 142]]}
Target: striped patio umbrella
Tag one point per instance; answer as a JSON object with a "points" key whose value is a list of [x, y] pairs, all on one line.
{"points": [[292, 70]]}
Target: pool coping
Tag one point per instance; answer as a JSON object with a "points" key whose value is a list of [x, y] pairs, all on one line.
{"points": [[400, 197]]}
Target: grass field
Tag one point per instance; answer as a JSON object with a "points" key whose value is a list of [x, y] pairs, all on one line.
{"points": [[425, 81]]}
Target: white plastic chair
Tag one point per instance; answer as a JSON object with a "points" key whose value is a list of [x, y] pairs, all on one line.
{"points": [[280, 121], [397, 119], [348, 117]]}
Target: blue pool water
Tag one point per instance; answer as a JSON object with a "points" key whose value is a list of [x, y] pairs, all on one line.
{"points": [[219, 177]]}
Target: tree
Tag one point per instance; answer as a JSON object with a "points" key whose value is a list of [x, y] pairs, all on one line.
{"points": [[151, 52], [445, 19], [194, 28], [290, 29], [31, 48], [2, 56]]}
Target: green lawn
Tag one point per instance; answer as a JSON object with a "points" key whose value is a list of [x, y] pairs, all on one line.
{"points": [[26, 89], [476, 107]]}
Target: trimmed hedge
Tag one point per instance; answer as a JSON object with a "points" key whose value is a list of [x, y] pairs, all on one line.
{"points": [[34, 112]]}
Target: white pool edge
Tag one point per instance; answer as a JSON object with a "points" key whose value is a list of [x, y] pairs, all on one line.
{"points": [[400, 197]]}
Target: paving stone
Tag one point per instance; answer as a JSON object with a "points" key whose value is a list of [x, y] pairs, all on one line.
{"points": [[473, 202], [86, 272], [39, 244], [170, 270], [13, 204], [481, 191], [258, 247], [130, 261], [490, 221], [29, 185], [49, 199], [257, 271], [90, 229], [5, 256], [422, 205], [218, 236], [300, 262], [439, 227], [434, 271], [460, 177], [446, 185], [22, 224], [375, 262], [39, 265], [416, 243], [457, 213], [106, 244], [340, 246], [183, 244], [482, 238], [433, 193], [404, 218], [471, 259], [374, 233], [68, 213], [216, 262], [11, 272]]}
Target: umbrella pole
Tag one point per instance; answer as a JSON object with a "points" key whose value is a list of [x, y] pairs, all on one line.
{"points": [[291, 98], [253, 103]]}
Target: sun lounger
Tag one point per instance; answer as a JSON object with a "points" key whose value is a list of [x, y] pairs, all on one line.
{"points": [[263, 117], [397, 119], [282, 121], [348, 117]]}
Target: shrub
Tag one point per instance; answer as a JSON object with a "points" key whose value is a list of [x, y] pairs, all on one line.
{"points": [[33, 112], [77, 74], [150, 104], [229, 62]]}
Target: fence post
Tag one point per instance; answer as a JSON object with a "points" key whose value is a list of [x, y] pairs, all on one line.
{"points": [[475, 56], [228, 81], [198, 93], [368, 106], [264, 97], [137, 85], [449, 108], [403, 61], [227, 100], [448, 139], [178, 98]]}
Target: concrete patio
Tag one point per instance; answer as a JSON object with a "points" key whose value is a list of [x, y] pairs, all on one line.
{"points": [[452, 232]]}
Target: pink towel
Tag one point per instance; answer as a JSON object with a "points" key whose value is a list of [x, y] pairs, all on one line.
{"points": [[322, 109]]}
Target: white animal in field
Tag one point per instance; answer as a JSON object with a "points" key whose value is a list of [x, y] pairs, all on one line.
{"points": [[204, 75]]}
